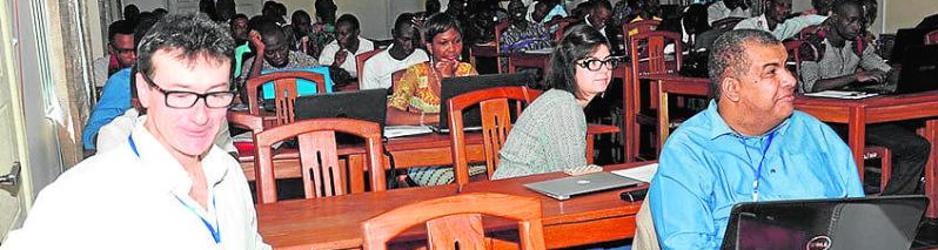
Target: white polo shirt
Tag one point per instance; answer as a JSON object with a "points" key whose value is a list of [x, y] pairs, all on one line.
{"points": [[328, 54], [121, 200], [380, 67]]}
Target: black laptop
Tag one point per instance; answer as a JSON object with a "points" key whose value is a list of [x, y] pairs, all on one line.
{"points": [[458, 85], [919, 70], [888, 222], [369, 105]]}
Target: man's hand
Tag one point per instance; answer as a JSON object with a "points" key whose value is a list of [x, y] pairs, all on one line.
{"points": [[257, 41], [340, 57], [877, 76]]}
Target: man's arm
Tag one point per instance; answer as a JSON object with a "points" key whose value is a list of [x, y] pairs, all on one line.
{"points": [[258, 64], [679, 200], [873, 76]]}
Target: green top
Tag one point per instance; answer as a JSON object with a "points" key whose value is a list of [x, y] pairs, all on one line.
{"points": [[239, 58], [549, 136]]}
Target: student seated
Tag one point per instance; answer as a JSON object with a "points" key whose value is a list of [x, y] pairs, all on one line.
{"points": [[550, 134], [748, 145], [416, 99], [836, 65], [167, 186], [720, 10], [378, 70], [521, 34], [272, 53], [340, 54], [775, 20]]}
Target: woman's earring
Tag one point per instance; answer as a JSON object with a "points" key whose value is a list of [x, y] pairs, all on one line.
{"points": [[602, 94]]}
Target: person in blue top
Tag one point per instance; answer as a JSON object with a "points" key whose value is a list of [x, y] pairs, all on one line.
{"points": [[748, 145]]}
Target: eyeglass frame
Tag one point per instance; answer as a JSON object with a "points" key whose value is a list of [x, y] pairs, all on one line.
{"points": [[612, 63], [198, 96]]}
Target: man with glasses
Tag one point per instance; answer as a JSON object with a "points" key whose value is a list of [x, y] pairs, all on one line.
{"points": [[120, 48], [167, 187], [748, 145]]}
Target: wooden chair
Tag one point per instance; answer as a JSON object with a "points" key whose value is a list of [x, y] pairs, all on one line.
{"points": [[496, 123], [642, 26], [701, 87], [285, 92], [499, 28], [648, 57], [322, 174], [455, 222], [931, 37], [360, 62]]}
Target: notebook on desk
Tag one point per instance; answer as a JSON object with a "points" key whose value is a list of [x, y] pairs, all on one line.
{"points": [[888, 222], [566, 187]]}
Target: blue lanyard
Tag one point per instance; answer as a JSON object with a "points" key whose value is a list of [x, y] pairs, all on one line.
{"points": [[216, 234], [765, 149]]}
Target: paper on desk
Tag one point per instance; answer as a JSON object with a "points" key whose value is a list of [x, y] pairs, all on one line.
{"points": [[540, 51], [842, 94], [405, 130], [643, 173]]}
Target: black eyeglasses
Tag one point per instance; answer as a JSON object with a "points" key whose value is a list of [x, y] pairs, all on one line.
{"points": [[186, 99], [122, 50], [595, 64]]}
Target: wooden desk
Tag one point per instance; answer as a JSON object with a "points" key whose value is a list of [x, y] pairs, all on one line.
{"points": [[528, 60], [335, 222], [858, 113], [483, 50]]}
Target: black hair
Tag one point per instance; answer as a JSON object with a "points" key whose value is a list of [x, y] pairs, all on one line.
{"points": [[696, 18], [600, 3], [225, 9], [123, 27], [192, 35], [431, 6], [579, 42], [439, 23], [348, 19], [160, 12], [840, 7], [239, 16], [130, 12], [300, 14], [728, 55], [402, 19], [267, 28], [143, 25], [822, 6]]}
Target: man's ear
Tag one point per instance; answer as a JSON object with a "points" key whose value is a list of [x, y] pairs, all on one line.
{"points": [[143, 90], [729, 89]]}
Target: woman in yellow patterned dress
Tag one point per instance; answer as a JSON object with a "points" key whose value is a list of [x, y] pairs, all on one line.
{"points": [[416, 98]]}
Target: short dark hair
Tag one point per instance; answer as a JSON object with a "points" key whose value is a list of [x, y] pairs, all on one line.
{"points": [[268, 28], [130, 12], [728, 55], [300, 14], [350, 20], [193, 35], [402, 19], [600, 3], [238, 16], [439, 23], [840, 6], [578, 43], [123, 27]]}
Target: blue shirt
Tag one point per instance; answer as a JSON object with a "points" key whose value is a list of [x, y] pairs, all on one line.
{"points": [[115, 100], [705, 168]]}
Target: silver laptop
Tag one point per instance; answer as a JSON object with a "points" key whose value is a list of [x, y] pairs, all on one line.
{"points": [[564, 188]]}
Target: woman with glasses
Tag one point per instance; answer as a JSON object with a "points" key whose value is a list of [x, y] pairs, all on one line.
{"points": [[550, 135]]}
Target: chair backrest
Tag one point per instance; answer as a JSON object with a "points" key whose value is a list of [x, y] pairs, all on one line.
{"points": [[648, 48], [499, 28], [931, 37], [360, 61], [285, 91], [794, 53], [642, 26], [678, 85], [496, 123], [322, 173], [456, 220]]}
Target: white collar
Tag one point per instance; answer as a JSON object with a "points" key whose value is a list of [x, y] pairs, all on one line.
{"points": [[168, 173]]}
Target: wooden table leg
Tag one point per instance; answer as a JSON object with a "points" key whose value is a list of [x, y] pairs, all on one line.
{"points": [[931, 169], [856, 136]]}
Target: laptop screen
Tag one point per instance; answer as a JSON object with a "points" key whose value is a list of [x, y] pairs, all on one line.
{"points": [[458, 85]]}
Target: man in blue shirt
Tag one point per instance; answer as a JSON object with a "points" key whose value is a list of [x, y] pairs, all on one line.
{"points": [[115, 100], [748, 145]]}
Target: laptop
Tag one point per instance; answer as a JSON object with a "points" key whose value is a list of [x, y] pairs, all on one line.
{"points": [[368, 105], [906, 39], [919, 70], [472, 119], [566, 187], [888, 222]]}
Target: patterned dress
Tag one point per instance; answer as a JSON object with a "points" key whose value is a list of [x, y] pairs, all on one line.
{"points": [[414, 94]]}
